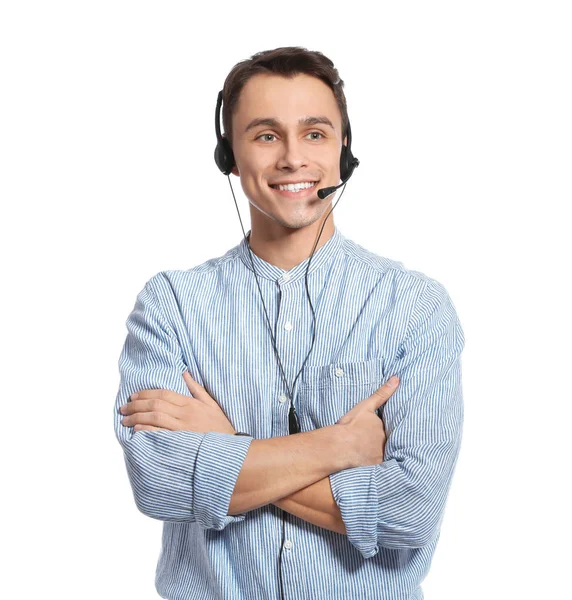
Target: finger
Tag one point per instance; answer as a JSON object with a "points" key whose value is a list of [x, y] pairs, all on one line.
{"points": [[134, 406], [382, 395], [140, 394], [154, 419], [148, 427], [189, 381], [162, 394], [197, 390], [152, 404]]}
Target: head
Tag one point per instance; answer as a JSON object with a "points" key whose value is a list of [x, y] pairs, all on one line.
{"points": [[285, 117]]}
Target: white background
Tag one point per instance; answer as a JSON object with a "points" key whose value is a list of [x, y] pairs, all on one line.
{"points": [[461, 119]]}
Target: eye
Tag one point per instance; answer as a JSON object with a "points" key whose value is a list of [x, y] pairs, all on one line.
{"points": [[319, 133], [265, 134]]}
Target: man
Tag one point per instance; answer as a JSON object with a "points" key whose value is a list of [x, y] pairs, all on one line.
{"points": [[351, 506]]}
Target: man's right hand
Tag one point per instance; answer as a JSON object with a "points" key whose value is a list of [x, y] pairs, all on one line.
{"points": [[365, 429]]}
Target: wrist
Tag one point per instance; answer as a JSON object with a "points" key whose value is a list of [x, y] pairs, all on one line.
{"points": [[346, 445]]}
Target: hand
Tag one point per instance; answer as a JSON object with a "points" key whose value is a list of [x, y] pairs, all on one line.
{"points": [[365, 429], [164, 409]]}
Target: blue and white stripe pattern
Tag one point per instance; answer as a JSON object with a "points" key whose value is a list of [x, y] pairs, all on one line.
{"points": [[374, 319]]}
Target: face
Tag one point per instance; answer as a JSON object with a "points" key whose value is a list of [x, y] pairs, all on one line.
{"points": [[276, 141]]}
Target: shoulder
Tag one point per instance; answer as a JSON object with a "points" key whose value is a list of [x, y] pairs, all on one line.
{"points": [[394, 272], [413, 297], [173, 282]]}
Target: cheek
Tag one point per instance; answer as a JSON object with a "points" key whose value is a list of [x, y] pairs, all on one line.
{"points": [[254, 171]]}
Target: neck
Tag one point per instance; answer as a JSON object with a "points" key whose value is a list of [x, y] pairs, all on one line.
{"points": [[284, 247]]}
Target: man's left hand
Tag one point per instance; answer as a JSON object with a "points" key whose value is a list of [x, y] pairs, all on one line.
{"points": [[164, 409]]}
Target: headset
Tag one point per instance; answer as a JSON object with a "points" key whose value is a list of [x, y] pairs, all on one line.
{"points": [[224, 159]]}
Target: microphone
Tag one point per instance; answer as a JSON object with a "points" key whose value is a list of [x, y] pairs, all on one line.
{"points": [[325, 192]]}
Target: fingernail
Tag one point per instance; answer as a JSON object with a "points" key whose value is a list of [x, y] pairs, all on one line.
{"points": [[393, 381], [134, 396]]}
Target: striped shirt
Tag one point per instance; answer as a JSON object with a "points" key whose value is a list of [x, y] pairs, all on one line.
{"points": [[374, 319]]}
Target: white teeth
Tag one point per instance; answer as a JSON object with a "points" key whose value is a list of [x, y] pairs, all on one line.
{"points": [[295, 187]]}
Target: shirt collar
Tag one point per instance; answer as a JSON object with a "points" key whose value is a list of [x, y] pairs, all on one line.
{"points": [[320, 258]]}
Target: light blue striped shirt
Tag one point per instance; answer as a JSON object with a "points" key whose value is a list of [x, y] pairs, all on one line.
{"points": [[374, 319]]}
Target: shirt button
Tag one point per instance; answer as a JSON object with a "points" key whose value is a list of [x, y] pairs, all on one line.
{"points": [[288, 544], [339, 372], [283, 398], [286, 277], [288, 326]]}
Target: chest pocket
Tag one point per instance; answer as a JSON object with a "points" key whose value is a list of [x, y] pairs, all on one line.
{"points": [[326, 393]]}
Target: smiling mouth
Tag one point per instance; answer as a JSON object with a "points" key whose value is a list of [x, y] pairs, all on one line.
{"points": [[292, 193]]}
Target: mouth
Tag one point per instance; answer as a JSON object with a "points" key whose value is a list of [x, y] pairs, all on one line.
{"points": [[302, 193]]}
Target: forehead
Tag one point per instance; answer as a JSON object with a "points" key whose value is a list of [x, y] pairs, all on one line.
{"points": [[285, 99]]}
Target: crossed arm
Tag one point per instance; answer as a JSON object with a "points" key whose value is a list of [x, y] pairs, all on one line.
{"points": [[292, 472], [316, 505]]}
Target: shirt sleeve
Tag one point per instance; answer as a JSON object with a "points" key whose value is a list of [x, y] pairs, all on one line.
{"points": [[174, 475], [400, 502]]}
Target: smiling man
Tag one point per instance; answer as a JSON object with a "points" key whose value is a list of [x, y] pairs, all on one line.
{"points": [[292, 336]]}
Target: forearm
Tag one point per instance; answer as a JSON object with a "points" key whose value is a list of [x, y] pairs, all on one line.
{"points": [[315, 504], [277, 467]]}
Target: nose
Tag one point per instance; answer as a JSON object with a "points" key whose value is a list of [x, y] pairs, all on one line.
{"points": [[292, 155]]}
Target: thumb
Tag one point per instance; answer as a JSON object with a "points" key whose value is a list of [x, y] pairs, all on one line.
{"points": [[197, 390], [382, 394], [191, 383]]}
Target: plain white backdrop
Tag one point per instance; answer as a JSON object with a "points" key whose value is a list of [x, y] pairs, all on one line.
{"points": [[461, 119]]}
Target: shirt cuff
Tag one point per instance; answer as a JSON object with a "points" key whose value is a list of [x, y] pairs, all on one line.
{"points": [[219, 460], [355, 492]]}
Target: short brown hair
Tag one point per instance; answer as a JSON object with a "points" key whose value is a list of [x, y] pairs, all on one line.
{"points": [[288, 61]]}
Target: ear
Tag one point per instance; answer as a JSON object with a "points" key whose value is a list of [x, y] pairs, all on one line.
{"points": [[346, 141]]}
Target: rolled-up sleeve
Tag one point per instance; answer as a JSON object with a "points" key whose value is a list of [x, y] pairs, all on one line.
{"points": [[400, 502], [174, 475]]}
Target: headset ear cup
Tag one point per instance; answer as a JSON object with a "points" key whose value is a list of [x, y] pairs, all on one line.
{"points": [[345, 163], [224, 156]]}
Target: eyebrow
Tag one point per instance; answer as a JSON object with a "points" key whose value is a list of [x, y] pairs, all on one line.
{"points": [[302, 121]]}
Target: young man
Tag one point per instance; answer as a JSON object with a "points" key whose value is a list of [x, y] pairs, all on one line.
{"points": [[337, 510]]}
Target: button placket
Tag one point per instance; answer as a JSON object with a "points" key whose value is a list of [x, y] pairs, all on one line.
{"points": [[286, 306]]}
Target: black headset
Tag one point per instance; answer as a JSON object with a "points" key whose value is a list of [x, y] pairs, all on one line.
{"points": [[224, 158]]}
